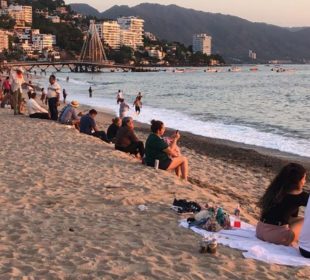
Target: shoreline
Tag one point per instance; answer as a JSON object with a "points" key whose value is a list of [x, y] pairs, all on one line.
{"points": [[219, 148], [71, 208]]}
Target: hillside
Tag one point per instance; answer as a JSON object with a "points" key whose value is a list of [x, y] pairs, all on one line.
{"points": [[232, 36]]}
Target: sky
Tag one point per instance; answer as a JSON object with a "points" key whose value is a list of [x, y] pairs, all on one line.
{"points": [[286, 13]]}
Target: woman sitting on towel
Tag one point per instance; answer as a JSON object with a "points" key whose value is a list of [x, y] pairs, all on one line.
{"points": [[279, 222], [157, 149]]}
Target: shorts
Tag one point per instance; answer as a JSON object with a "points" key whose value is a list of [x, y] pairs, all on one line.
{"points": [[164, 164], [137, 108], [281, 235]]}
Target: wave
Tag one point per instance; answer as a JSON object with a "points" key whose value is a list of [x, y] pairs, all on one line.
{"points": [[213, 129]]}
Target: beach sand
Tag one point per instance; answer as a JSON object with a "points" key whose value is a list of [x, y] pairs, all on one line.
{"points": [[69, 206]]}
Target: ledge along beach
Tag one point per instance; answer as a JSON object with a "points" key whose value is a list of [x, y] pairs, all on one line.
{"points": [[70, 205]]}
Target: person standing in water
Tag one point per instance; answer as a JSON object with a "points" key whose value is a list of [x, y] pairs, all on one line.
{"points": [[64, 95], [90, 91], [123, 108], [138, 104], [119, 96]]}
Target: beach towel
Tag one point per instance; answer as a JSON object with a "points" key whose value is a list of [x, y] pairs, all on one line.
{"points": [[244, 239]]}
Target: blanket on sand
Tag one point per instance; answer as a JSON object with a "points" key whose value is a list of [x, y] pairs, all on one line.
{"points": [[245, 239]]}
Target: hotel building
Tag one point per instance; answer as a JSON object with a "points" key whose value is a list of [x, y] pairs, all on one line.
{"points": [[202, 43]]}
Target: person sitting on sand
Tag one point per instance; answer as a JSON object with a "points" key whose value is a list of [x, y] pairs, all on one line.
{"points": [[126, 139], [157, 149], [35, 110], [88, 126], [123, 108], [69, 116], [279, 222], [304, 238], [113, 128]]}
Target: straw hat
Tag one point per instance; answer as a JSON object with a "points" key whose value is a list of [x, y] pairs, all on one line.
{"points": [[75, 103], [20, 69]]}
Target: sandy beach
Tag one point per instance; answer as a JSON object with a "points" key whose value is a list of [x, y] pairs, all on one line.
{"points": [[70, 206]]}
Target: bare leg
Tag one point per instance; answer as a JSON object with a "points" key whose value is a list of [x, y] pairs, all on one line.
{"points": [[180, 162], [296, 226]]}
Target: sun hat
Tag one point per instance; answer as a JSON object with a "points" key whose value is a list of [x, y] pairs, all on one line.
{"points": [[75, 103], [19, 69]]}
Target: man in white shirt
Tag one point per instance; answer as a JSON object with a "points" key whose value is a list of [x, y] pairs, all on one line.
{"points": [[53, 95], [119, 96], [17, 81], [35, 110]]}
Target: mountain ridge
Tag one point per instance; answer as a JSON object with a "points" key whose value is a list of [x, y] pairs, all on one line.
{"points": [[232, 36]]}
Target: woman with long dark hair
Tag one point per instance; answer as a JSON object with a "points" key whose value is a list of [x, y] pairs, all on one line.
{"points": [[279, 222]]}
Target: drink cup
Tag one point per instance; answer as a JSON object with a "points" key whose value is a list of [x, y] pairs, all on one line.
{"points": [[156, 165]]}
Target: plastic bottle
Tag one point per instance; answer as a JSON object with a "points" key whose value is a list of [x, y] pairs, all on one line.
{"points": [[237, 222]]}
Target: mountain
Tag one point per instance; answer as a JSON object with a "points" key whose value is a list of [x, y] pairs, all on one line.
{"points": [[232, 36], [85, 9]]}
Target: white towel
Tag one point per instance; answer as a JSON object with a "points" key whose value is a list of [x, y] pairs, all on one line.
{"points": [[245, 239]]}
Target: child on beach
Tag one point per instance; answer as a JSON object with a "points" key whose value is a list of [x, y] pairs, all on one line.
{"points": [[279, 222], [43, 96]]}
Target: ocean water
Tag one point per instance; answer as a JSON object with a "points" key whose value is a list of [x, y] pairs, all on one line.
{"points": [[262, 108]]}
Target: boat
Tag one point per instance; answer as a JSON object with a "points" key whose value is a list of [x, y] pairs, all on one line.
{"points": [[253, 69], [212, 70], [234, 69], [178, 71]]}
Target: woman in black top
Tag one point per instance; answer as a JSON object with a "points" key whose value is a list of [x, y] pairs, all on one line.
{"points": [[279, 222], [113, 128]]}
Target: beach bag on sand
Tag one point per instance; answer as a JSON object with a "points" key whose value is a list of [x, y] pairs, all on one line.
{"points": [[184, 206], [212, 219]]}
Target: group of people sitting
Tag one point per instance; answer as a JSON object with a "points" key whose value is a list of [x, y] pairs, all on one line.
{"points": [[156, 148], [279, 221]]}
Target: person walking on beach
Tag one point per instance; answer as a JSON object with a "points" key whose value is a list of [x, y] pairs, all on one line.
{"points": [[90, 91], [123, 108], [17, 81], [64, 95], [88, 126], [43, 96], [53, 94], [119, 96], [67, 79]]}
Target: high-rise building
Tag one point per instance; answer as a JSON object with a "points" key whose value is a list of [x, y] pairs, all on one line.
{"points": [[202, 43], [27, 10], [21, 14], [4, 40], [136, 27], [110, 33], [43, 41], [128, 38]]}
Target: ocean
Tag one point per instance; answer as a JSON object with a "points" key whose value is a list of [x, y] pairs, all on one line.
{"points": [[263, 108]]}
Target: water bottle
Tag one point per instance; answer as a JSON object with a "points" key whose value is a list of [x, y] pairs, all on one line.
{"points": [[237, 222], [156, 165]]}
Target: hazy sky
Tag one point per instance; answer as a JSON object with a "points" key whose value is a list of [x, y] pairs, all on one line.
{"points": [[279, 12]]}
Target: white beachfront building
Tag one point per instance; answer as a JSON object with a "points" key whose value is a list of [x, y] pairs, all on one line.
{"points": [[202, 43]]}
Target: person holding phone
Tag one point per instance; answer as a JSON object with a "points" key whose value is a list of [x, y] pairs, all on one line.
{"points": [[157, 149]]}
